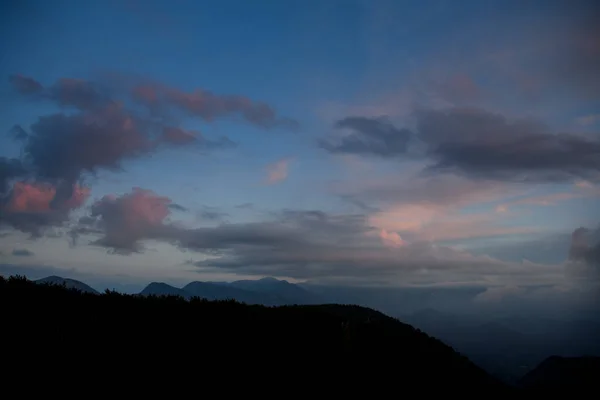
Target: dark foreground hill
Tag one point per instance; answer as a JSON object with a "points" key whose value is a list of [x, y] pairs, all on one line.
{"points": [[222, 345]]}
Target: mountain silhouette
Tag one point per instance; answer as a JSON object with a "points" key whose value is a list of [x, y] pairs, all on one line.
{"points": [[69, 283], [266, 291], [293, 294], [163, 289], [225, 345]]}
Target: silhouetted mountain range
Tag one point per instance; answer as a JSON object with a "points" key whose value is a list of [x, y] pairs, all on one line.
{"points": [[506, 347], [266, 291], [224, 345]]}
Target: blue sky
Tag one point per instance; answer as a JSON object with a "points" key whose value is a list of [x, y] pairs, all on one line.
{"points": [[485, 88]]}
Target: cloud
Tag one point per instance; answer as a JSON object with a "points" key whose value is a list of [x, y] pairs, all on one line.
{"points": [[278, 171], [480, 144], [178, 136], [208, 106], [177, 207], [458, 88], [22, 253], [304, 244], [588, 120], [31, 206], [431, 207], [391, 238], [584, 252], [78, 93], [433, 223], [544, 200], [368, 136], [211, 214], [99, 132], [25, 85], [129, 218]]}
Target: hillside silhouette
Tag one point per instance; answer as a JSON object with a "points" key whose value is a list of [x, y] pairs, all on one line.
{"points": [[342, 348]]}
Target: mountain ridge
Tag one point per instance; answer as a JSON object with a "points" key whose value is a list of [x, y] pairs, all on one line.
{"points": [[346, 348], [67, 282]]}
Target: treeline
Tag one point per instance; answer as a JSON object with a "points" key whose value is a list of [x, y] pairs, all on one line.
{"points": [[326, 346]]}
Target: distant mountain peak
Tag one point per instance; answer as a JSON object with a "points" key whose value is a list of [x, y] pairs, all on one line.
{"points": [[68, 282], [270, 279], [163, 289]]}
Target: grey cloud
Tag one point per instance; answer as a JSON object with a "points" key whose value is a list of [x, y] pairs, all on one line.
{"points": [[212, 214], [177, 207], [78, 93], [127, 219], [178, 136], [25, 85], [585, 249], [479, 144], [22, 253], [160, 99], [446, 190], [305, 244], [368, 136]]}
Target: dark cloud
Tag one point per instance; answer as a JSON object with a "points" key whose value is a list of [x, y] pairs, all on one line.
{"points": [[22, 253], [212, 214], [25, 85], [177, 207], [208, 106], [479, 144], [78, 93], [63, 147], [585, 248], [368, 136], [178, 136]]}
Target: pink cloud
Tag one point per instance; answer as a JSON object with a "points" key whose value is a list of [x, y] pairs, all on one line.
{"points": [[277, 171], [130, 217], [545, 200], [391, 239], [38, 198], [437, 223]]}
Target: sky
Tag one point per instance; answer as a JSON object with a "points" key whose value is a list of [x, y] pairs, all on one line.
{"points": [[373, 143]]}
